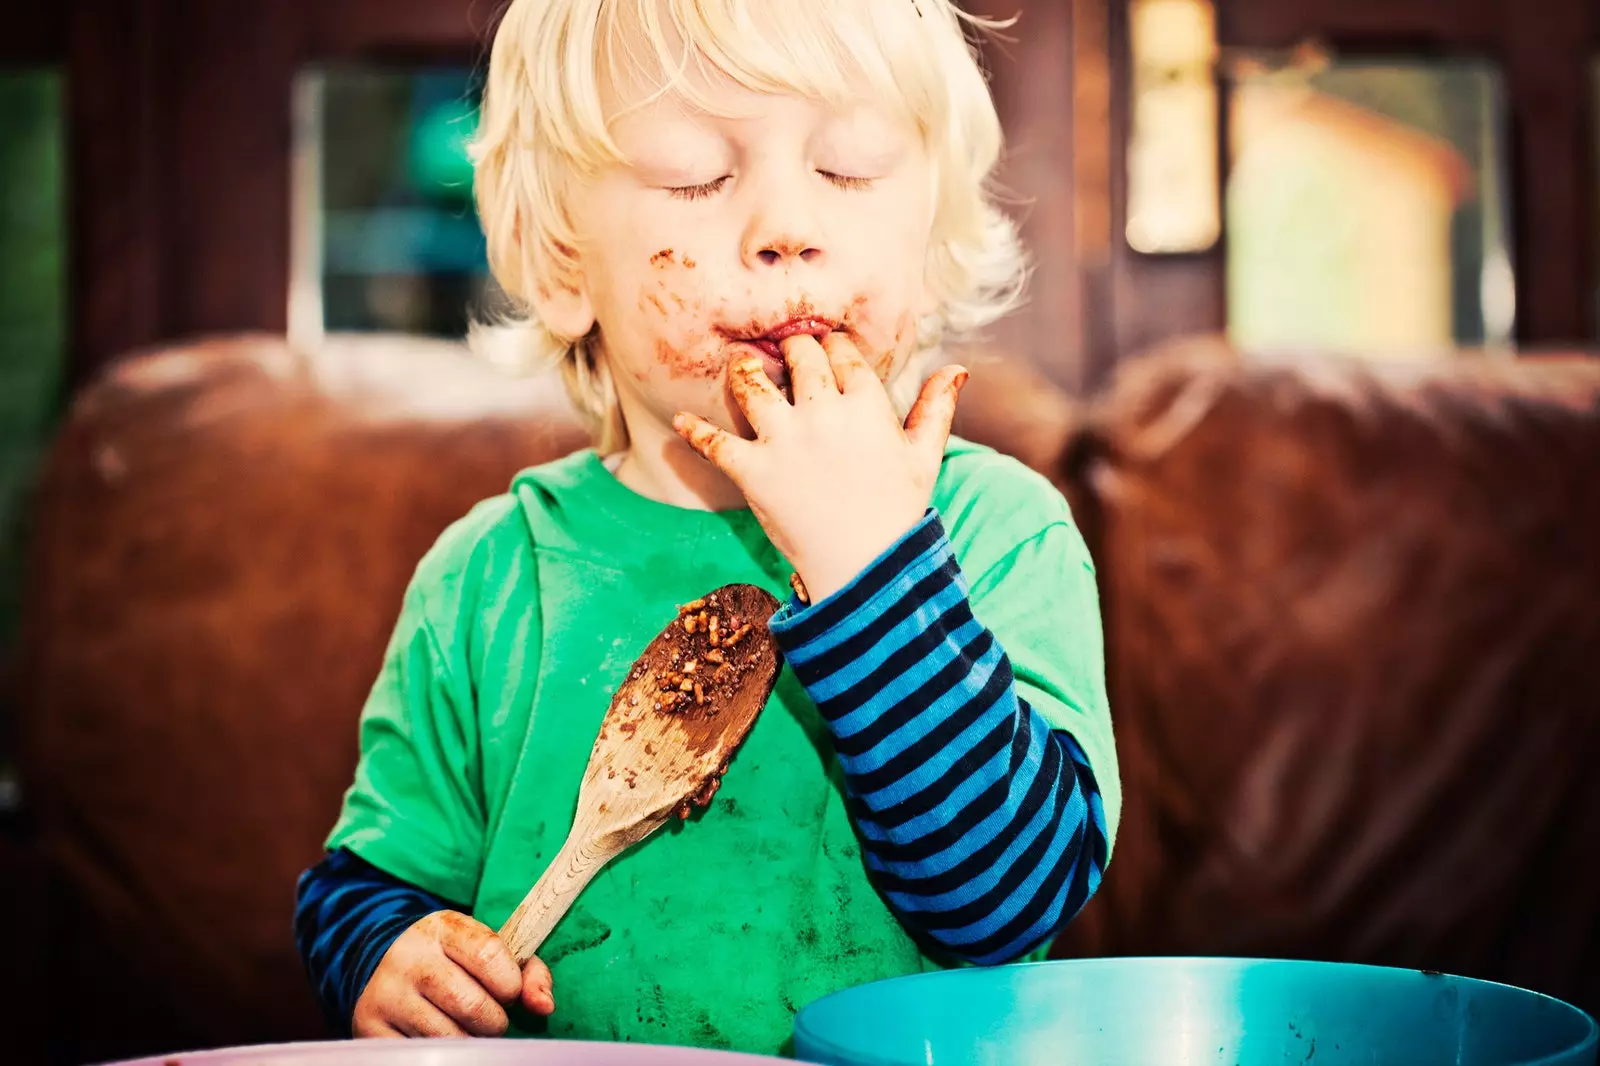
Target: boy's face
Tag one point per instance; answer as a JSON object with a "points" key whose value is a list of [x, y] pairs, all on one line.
{"points": [[722, 235]]}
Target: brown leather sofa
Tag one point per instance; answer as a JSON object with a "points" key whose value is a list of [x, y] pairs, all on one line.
{"points": [[1353, 625], [1354, 640]]}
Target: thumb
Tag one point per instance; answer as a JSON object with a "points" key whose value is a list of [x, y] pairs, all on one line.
{"points": [[928, 424]]}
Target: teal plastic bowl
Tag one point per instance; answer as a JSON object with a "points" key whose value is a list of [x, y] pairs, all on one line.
{"points": [[1174, 1012]]}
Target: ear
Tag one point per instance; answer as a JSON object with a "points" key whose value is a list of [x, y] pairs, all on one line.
{"points": [[563, 306]]}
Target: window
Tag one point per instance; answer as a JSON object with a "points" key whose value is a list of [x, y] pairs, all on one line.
{"points": [[386, 237], [1367, 208]]}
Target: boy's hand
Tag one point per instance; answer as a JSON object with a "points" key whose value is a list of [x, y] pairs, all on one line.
{"points": [[448, 975], [834, 479]]}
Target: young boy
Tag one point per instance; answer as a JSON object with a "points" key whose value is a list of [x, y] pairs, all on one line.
{"points": [[739, 226]]}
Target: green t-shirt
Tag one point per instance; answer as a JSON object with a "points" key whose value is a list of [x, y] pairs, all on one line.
{"points": [[518, 626]]}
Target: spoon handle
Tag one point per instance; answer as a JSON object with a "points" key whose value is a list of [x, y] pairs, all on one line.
{"points": [[579, 859]]}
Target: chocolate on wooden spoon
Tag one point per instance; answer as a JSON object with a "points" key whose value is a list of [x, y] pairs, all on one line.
{"points": [[678, 717]]}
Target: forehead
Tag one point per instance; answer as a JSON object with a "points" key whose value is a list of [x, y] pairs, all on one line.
{"points": [[719, 57], [717, 106]]}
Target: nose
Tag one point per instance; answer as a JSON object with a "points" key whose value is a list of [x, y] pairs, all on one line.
{"points": [[783, 249], [784, 229]]}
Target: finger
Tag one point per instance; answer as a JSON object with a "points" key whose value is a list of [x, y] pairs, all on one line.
{"points": [[476, 949], [716, 445], [538, 988], [850, 370], [418, 1017], [810, 373], [365, 1026], [928, 423], [462, 1000], [755, 393]]}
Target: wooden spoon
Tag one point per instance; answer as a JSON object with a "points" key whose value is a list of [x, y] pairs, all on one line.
{"points": [[684, 709]]}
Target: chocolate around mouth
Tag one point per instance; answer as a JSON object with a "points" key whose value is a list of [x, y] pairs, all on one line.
{"points": [[770, 344], [771, 341]]}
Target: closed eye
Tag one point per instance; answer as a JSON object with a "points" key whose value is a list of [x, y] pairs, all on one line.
{"points": [[711, 188], [699, 192], [845, 182]]}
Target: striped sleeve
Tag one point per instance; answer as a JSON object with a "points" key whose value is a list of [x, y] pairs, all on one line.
{"points": [[347, 914], [983, 828]]}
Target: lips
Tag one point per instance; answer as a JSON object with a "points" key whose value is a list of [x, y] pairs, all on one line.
{"points": [[771, 341]]}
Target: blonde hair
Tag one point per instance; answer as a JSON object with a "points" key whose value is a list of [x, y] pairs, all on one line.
{"points": [[543, 126]]}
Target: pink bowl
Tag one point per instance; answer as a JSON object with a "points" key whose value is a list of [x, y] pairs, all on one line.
{"points": [[455, 1053]]}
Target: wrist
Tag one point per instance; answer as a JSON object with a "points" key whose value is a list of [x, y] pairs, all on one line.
{"points": [[823, 579], [845, 559]]}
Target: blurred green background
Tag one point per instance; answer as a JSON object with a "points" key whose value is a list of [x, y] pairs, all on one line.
{"points": [[32, 315]]}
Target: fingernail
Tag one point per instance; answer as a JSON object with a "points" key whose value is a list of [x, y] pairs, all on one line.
{"points": [[961, 380], [751, 366]]}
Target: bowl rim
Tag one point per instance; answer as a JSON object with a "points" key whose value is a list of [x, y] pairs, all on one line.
{"points": [[1589, 1042]]}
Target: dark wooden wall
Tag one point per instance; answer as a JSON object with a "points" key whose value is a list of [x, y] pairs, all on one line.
{"points": [[179, 153], [34, 33]]}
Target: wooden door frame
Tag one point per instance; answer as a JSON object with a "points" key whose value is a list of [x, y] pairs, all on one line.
{"points": [[1062, 88]]}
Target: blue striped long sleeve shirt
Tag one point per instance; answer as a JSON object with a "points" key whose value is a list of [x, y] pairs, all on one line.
{"points": [[983, 828]]}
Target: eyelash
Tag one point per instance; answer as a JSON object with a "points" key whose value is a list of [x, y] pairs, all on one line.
{"points": [[698, 192], [711, 188], [854, 184]]}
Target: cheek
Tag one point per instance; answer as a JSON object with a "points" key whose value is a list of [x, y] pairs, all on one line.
{"points": [[672, 323], [885, 331], [905, 333], [676, 360], [893, 358], [660, 303], [665, 291]]}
